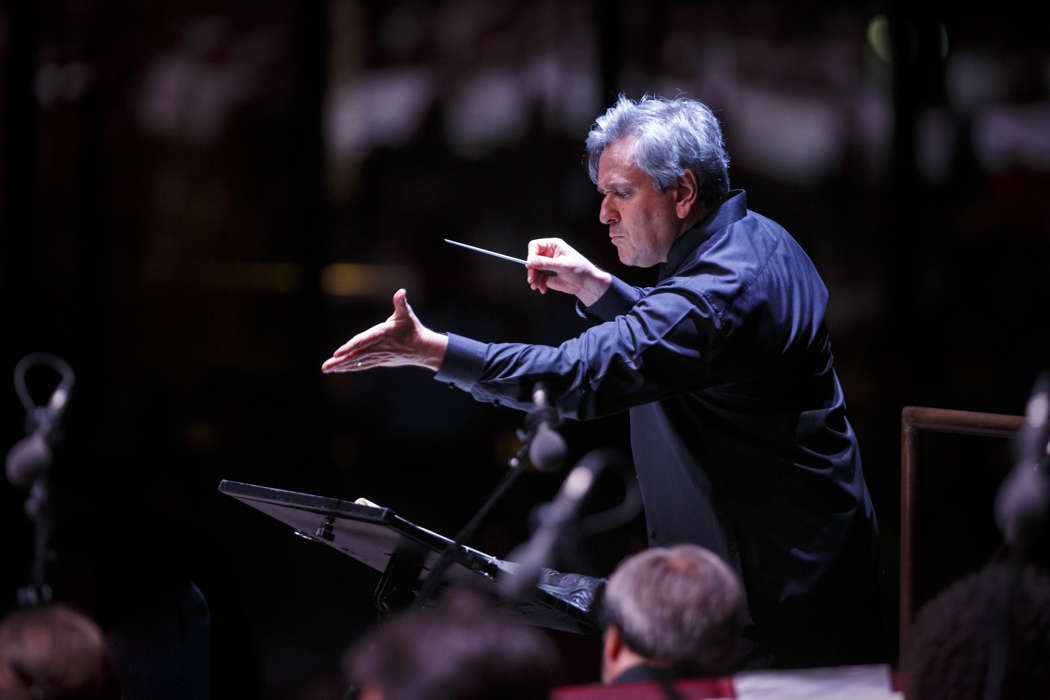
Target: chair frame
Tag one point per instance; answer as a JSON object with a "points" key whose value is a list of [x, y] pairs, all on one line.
{"points": [[940, 420]]}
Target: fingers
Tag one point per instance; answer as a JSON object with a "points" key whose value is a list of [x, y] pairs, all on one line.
{"points": [[340, 364], [548, 247], [540, 270], [333, 364], [349, 364], [361, 340], [346, 363], [536, 245], [354, 357], [547, 258]]}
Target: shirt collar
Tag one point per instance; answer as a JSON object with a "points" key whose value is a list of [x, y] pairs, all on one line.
{"points": [[733, 208], [645, 673]]}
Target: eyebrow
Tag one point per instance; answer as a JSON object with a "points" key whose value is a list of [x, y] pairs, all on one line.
{"points": [[614, 186]]}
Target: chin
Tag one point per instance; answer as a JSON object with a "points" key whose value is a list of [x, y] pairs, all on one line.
{"points": [[636, 261]]}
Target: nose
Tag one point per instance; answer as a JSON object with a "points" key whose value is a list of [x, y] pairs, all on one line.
{"points": [[608, 214]]}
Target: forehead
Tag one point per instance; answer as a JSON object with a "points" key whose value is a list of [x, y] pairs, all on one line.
{"points": [[617, 165]]}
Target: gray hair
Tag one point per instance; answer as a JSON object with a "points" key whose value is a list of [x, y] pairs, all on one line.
{"points": [[682, 606], [670, 137]]}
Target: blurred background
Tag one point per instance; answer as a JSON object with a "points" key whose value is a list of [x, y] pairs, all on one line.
{"points": [[202, 200]]}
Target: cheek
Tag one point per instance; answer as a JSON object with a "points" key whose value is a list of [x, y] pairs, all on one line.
{"points": [[633, 222]]}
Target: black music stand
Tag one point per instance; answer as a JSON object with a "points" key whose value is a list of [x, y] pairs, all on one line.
{"points": [[405, 554]]}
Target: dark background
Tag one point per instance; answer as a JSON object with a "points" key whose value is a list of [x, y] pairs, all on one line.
{"points": [[202, 200]]}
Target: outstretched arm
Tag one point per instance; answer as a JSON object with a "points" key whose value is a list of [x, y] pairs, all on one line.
{"points": [[399, 341]]}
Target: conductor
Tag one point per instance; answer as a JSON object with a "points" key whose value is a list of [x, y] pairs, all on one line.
{"points": [[739, 431]]}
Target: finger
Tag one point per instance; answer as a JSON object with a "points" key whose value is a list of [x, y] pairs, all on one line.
{"points": [[543, 266], [360, 357], [362, 340], [357, 341], [545, 246], [352, 364], [536, 278], [539, 262], [401, 306], [535, 273], [332, 364]]}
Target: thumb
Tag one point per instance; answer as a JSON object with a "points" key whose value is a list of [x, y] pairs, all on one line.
{"points": [[401, 307]]}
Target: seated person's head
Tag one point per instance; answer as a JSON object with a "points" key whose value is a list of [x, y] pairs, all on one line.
{"points": [[680, 608], [53, 652], [460, 649], [996, 618]]}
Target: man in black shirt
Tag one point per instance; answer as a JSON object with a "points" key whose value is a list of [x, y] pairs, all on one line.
{"points": [[738, 423]]}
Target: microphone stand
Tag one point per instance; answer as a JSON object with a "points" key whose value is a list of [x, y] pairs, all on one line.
{"points": [[545, 459], [38, 508], [555, 520]]}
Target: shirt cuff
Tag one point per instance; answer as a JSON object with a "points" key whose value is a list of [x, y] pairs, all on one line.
{"points": [[616, 301], [464, 360]]}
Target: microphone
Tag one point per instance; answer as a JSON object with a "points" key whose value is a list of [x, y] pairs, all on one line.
{"points": [[1024, 498], [544, 445], [555, 517], [32, 455], [29, 457]]}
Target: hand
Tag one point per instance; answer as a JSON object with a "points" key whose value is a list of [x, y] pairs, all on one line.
{"points": [[576, 274], [400, 340]]}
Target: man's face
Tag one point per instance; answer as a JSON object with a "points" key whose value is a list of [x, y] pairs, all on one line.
{"points": [[642, 220]]}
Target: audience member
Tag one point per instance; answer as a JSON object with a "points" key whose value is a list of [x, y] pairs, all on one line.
{"points": [[53, 653], [461, 648], [671, 612], [985, 637]]}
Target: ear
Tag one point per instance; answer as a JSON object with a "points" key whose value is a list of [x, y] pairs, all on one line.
{"points": [[612, 647], [686, 195], [370, 692], [613, 642]]}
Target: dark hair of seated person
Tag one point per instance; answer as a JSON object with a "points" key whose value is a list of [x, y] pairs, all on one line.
{"points": [[985, 636], [54, 653], [460, 648]]}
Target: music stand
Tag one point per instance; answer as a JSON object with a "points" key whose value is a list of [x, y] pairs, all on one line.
{"points": [[405, 553]]}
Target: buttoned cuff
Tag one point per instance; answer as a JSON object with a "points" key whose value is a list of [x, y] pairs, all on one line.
{"points": [[616, 301], [464, 360]]}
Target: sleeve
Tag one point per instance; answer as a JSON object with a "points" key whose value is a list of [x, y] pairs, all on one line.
{"points": [[618, 299], [662, 345]]}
